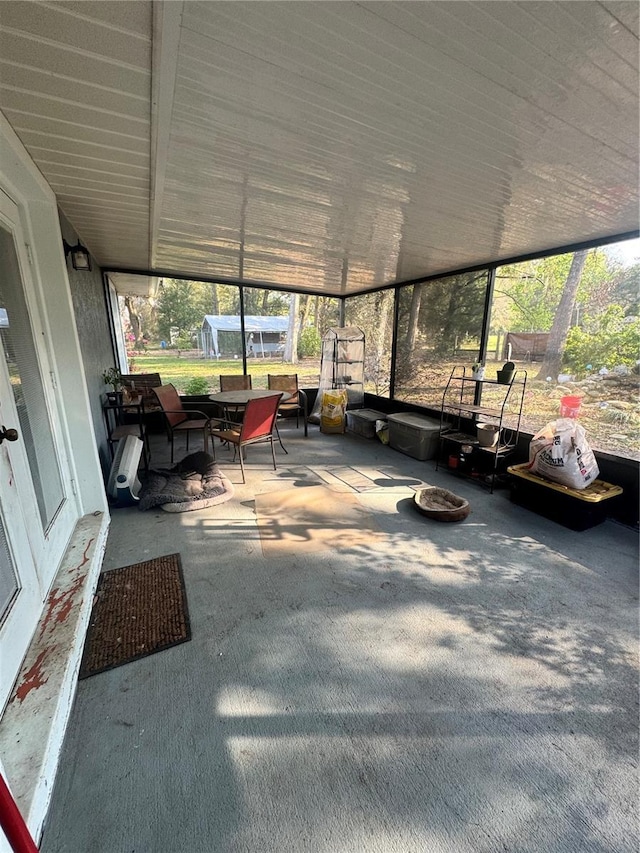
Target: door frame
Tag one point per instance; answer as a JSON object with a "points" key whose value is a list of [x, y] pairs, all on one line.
{"points": [[33, 213], [35, 552], [23, 182]]}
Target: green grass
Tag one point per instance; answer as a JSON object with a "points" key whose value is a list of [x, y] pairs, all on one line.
{"points": [[180, 369]]}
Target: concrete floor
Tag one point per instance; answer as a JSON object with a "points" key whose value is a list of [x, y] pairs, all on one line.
{"points": [[460, 688]]}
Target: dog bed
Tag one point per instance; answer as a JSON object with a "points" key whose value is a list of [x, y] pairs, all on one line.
{"points": [[441, 504], [195, 482]]}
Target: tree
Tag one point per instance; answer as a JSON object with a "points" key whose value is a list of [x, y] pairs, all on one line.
{"points": [[265, 302], [456, 311], [215, 302], [291, 346], [532, 289], [373, 313], [182, 306], [552, 361], [626, 289], [138, 317], [414, 313], [134, 322]]}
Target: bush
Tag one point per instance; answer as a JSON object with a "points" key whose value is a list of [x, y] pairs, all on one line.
{"points": [[309, 343], [196, 386], [605, 341]]}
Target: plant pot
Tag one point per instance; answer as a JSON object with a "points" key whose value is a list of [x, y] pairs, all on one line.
{"points": [[488, 434], [505, 374]]}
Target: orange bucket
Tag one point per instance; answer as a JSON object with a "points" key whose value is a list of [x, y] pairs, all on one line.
{"points": [[570, 407]]}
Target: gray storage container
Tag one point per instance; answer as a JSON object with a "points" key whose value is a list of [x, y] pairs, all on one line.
{"points": [[363, 421], [415, 435]]}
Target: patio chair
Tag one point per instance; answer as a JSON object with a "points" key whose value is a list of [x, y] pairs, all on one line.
{"points": [[297, 403], [177, 418], [256, 428], [234, 382]]}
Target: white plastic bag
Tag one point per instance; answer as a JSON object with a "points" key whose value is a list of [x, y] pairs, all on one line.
{"points": [[561, 452], [382, 431]]}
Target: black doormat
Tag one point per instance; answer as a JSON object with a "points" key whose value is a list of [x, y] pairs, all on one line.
{"points": [[139, 610]]}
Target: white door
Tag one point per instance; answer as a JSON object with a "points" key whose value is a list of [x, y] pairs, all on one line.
{"points": [[37, 509]]}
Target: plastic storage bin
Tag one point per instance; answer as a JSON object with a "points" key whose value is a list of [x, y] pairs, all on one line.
{"points": [[415, 435], [363, 421], [577, 509]]}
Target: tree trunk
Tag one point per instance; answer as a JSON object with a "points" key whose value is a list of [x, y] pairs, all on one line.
{"points": [[306, 311], [134, 319], [414, 313], [215, 302], [552, 361], [291, 347]]}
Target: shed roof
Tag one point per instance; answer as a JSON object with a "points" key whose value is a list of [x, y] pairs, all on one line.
{"points": [[252, 323]]}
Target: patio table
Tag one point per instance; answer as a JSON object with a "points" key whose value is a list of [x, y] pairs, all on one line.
{"points": [[241, 398]]}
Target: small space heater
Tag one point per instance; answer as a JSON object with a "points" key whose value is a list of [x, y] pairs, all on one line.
{"points": [[123, 485]]}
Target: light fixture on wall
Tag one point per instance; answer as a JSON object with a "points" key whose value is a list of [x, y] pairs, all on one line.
{"points": [[80, 257]]}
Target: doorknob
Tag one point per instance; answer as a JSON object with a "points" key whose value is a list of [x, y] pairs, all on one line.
{"points": [[9, 434]]}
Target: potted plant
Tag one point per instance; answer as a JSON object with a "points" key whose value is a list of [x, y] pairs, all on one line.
{"points": [[112, 376], [505, 375], [477, 370]]}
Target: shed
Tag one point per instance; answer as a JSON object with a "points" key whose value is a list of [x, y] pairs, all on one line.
{"points": [[264, 336]]}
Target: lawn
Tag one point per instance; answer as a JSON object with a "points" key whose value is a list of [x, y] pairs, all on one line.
{"points": [[179, 370]]}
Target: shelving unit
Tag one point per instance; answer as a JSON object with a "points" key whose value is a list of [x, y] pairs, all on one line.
{"points": [[480, 400], [342, 366]]}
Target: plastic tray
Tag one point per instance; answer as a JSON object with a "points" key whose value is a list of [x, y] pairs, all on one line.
{"points": [[594, 492]]}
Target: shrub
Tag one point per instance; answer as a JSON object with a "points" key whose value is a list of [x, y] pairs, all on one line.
{"points": [[605, 341], [196, 386], [309, 343]]}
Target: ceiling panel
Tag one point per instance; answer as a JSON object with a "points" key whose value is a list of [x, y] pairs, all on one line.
{"points": [[328, 146], [75, 84]]}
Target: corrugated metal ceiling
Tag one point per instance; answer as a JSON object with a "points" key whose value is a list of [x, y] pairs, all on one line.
{"points": [[330, 146]]}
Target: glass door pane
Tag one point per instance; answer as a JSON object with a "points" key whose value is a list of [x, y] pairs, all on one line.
{"points": [[26, 384], [8, 580]]}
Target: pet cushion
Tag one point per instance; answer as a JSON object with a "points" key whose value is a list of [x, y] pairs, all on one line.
{"points": [[195, 482]]}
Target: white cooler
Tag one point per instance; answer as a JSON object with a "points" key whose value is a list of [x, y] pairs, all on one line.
{"points": [[415, 435]]}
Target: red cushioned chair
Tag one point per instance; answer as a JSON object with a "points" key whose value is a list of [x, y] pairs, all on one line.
{"points": [[256, 428], [178, 419]]}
